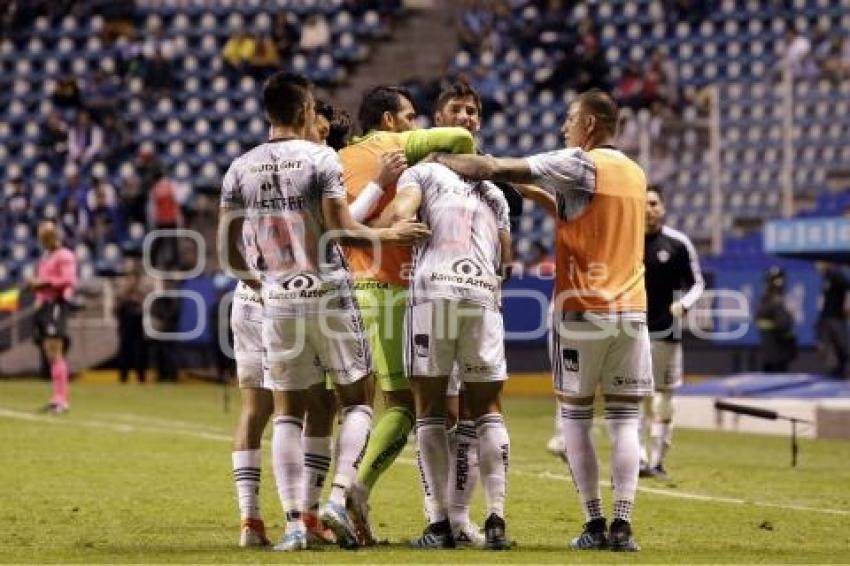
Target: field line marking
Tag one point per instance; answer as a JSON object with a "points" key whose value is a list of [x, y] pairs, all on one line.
{"points": [[128, 428]]}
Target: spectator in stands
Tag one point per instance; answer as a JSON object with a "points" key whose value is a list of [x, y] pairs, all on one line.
{"points": [[132, 200], [73, 218], [148, 166], [85, 140], [132, 344], [72, 186], [663, 77], [104, 218], [264, 59], [316, 33], [834, 59], [102, 94], [117, 139], [236, 52], [474, 24], [776, 325], [16, 199], [158, 76], [67, 95], [164, 214], [53, 139], [831, 328], [797, 50], [286, 34], [630, 90]]}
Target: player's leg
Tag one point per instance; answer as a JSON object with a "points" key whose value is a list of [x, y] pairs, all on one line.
{"points": [[429, 355], [627, 380], [318, 437], [344, 353], [555, 445], [577, 353], [481, 356], [660, 361], [383, 318], [667, 370], [59, 375], [463, 464], [292, 370]]}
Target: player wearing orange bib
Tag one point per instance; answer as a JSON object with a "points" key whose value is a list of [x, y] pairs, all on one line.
{"points": [[599, 329], [387, 118]]}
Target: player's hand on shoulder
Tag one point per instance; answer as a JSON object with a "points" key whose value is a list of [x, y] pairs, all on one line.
{"points": [[677, 309], [393, 164], [408, 232]]}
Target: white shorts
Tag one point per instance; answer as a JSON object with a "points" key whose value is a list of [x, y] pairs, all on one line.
{"points": [[440, 332], [666, 364], [246, 321], [613, 354], [299, 351]]}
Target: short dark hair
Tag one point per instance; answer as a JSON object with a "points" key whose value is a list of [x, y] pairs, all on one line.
{"points": [[340, 130], [325, 108], [601, 105], [657, 189], [283, 96], [378, 100], [459, 89]]}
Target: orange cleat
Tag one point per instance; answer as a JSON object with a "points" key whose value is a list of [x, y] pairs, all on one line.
{"points": [[252, 532], [317, 532]]}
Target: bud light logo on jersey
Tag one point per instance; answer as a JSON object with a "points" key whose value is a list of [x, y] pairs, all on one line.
{"points": [[570, 358]]}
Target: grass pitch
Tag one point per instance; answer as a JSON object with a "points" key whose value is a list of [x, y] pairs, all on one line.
{"points": [[142, 474]]}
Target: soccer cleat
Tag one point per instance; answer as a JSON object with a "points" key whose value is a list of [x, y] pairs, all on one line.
{"points": [[358, 509], [292, 542], [593, 537], [494, 533], [336, 518], [435, 536], [620, 537], [658, 472], [469, 535], [645, 471], [252, 532], [317, 533], [54, 409]]}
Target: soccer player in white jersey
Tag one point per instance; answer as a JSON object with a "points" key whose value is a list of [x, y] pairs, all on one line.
{"points": [[453, 317], [285, 198]]}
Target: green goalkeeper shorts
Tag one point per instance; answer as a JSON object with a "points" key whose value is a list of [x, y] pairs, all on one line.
{"points": [[382, 307]]}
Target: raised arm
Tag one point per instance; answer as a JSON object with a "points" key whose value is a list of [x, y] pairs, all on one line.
{"points": [[481, 167], [418, 144]]}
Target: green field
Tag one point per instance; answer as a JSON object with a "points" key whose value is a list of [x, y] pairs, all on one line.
{"points": [[142, 474]]}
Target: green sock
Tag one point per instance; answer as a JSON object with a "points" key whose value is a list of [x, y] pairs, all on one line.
{"points": [[385, 444]]}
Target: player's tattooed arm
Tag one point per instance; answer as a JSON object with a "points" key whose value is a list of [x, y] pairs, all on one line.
{"points": [[539, 197], [230, 223], [481, 167], [349, 232]]}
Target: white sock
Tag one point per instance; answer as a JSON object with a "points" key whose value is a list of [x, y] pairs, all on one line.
{"points": [[463, 472], [622, 420], [494, 448], [246, 474], [643, 431], [432, 454], [317, 463], [557, 419], [354, 428], [662, 438], [576, 425], [288, 465]]}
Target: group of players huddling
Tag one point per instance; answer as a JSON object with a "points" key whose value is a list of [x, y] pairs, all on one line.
{"points": [[382, 263]]}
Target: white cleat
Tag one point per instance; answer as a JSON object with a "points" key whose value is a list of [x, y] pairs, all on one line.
{"points": [[292, 542], [469, 535], [556, 447]]}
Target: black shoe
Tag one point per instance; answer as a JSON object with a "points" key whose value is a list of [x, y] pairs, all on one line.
{"points": [[494, 533], [594, 536], [645, 472], [659, 472], [435, 536], [620, 537]]}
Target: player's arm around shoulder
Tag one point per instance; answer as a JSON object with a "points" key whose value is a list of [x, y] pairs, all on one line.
{"points": [[407, 199], [481, 167], [418, 144]]}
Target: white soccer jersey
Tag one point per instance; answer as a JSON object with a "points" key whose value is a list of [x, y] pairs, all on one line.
{"points": [[460, 261], [280, 186]]}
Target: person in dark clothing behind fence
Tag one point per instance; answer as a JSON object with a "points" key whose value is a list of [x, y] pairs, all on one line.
{"points": [[776, 325], [831, 326], [132, 344]]}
